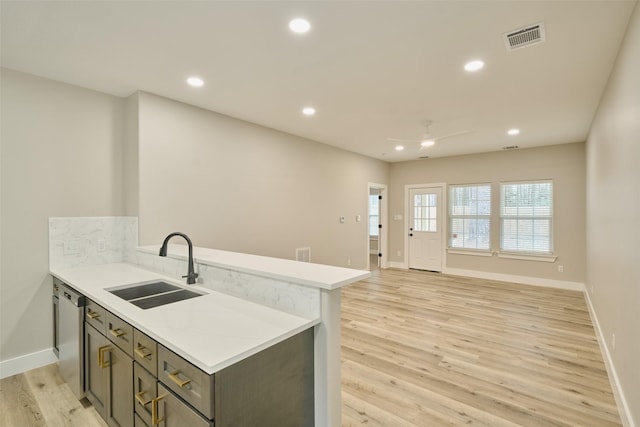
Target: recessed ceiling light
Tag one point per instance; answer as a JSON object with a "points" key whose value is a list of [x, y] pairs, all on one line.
{"points": [[299, 25], [427, 143], [513, 132], [399, 147], [308, 111], [195, 82], [472, 66]]}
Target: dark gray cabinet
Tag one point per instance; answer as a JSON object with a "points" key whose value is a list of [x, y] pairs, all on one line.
{"points": [[133, 381], [95, 375], [108, 371]]}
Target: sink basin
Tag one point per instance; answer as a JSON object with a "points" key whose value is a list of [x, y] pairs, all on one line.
{"points": [[140, 291], [154, 294]]}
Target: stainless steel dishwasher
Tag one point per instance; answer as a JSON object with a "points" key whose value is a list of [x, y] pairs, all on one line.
{"points": [[71, 338]]}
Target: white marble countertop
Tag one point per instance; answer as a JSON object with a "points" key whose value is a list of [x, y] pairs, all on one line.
{"points": [[302, 273], [212, 331]]}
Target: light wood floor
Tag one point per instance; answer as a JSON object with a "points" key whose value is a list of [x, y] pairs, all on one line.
{"points": [[40, 398], [422, 349]]}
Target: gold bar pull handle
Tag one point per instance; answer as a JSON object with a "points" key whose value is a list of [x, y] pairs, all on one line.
{"points": [[155, 420], [101, 350], [143, 352], [117, 332], [92, 314], [176, 379], [141, 400]]}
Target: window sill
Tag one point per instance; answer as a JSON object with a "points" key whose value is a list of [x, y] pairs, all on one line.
{"points": [[456, 251], [528, 257]]}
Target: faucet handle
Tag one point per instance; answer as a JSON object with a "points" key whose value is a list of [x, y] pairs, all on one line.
{"points": [[191, 278]]}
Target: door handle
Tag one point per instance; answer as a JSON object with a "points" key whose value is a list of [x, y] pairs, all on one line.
{"points": [[141, 400], [101, 362], [154, 410], [173, 376], [143, 352], [117, 332]]}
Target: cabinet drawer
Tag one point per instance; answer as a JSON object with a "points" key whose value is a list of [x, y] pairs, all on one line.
{"points": [[120, 333], [145, 352], [144, 391], [175, 413], [187, 381], [96, 316]]}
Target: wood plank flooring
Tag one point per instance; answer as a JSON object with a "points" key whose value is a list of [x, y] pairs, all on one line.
{"points": [[424, 349], [40, 398]]}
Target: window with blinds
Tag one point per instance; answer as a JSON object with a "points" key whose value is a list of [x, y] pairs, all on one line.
{"points": [[470, 216], [374, 214], [526, 215]]}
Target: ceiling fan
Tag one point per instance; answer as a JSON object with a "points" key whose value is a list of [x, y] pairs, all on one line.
{"points": [[428, 139]]}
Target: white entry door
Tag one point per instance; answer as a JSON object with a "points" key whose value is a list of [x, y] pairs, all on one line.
{"points": [[425, 228]]}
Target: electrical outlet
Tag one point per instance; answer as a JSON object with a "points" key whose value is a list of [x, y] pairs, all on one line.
{"points": [[561, 269], [71, 247], [398, 253], [349, 263], [102, 245]]}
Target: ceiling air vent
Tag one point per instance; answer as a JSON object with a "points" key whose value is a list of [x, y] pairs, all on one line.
{"points": [[524, 37], [510, 147]]}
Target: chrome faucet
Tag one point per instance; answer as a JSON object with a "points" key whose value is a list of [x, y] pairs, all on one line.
{"points": [[191, 274]]}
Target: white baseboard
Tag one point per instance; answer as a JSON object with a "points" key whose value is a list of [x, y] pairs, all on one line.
{"points": [[400, 265], [27, 362], [525, 280], [621, 401]]}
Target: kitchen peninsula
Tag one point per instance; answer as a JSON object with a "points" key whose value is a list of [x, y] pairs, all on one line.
{"points": [[249, 304]]}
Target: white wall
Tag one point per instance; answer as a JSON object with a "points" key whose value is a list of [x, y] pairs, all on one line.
{"points": [[564, 164], [613, 216], [237, 186], [61, 156]]}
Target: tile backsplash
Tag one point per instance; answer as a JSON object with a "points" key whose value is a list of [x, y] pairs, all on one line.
{"points": [[81, 241]]}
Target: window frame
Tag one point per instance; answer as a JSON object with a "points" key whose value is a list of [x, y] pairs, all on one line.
{"points": [[526, 254], [451, 216]]}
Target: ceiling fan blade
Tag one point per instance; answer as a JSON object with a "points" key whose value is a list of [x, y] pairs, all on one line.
{"points": [[451, 135], [401, 140]]}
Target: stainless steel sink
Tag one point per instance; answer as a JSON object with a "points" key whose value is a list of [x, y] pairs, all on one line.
{"points": [[154, 294]]}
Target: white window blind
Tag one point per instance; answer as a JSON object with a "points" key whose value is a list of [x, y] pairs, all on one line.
{"points": [[470, 216], [526, 215], [374, 214]]}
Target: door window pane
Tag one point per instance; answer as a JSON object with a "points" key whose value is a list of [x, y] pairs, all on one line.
{"points": [[425, 212]]}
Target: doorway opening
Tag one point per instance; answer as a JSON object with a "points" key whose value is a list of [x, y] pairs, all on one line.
{"points": [[376, 231]]}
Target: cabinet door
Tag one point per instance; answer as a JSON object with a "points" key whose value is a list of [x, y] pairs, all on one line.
{"points": [[96, 372], [144, 391], [170, 411], [120, 395]]}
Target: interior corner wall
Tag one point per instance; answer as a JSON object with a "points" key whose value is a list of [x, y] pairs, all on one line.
{"points": [[237, 186], [564, 164], [131, 159], [61, 156], [613, 217]]}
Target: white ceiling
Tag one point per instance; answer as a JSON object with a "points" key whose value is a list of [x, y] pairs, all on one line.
{"points": [[372, 69]]}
